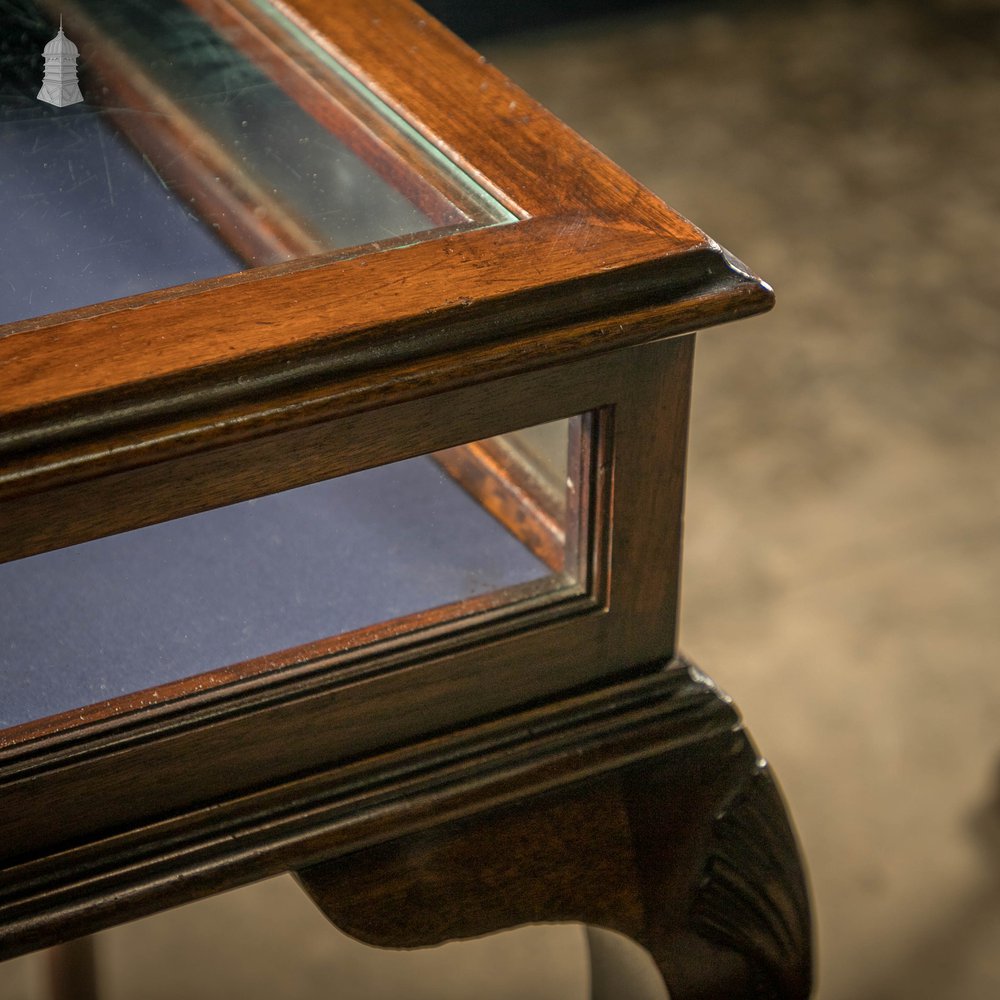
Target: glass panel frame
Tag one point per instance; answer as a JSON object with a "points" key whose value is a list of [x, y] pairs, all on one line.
{"points": [[499, 474]]}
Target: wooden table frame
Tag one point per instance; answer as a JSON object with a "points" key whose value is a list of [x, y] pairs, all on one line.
{"points": [[513, 720]]}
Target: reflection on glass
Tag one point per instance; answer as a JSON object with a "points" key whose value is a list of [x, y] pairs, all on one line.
{"points": [[212, 138], [521, 479], [480, 523], [544, 450]]}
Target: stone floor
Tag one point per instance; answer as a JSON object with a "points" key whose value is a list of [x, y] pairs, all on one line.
{"points": [[842, 569]]}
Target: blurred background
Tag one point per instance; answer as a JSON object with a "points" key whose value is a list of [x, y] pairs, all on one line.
{"points": [[842, 567]]}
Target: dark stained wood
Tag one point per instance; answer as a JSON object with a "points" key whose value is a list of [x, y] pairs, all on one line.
{"points": [[628, 807], [310, 349], [688, 852], [360, 801], [218, 737], [650, 448]]}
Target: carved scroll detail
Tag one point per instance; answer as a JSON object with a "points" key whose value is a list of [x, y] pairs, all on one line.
{"points": [[753, 897], [650, 816]]}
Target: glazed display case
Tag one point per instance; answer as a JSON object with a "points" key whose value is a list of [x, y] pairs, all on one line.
{"points": [[343, 409]]}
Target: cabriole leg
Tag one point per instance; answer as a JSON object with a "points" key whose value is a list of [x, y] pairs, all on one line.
{"points": [[689, 853]]}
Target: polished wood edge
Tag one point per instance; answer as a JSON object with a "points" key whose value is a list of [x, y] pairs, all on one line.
{"points": [[318, 816], [454, 345], [249, 276], [689, 851], [231, 332]]}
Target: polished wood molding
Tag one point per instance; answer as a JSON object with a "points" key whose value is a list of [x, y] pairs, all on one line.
{"points": [[688, 850], [178, 376]]}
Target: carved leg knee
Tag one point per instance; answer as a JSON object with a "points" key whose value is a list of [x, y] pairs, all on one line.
{"points": [[689, 852]]}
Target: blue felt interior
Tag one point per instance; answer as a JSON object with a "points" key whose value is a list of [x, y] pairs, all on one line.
{"points": [[132, 611], [84, 220]]}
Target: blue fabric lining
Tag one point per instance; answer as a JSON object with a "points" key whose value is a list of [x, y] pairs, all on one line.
{"points": [[139, 609]]}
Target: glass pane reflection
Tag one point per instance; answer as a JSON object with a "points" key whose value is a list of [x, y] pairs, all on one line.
{"points": [[209, 141], [141, 609]]}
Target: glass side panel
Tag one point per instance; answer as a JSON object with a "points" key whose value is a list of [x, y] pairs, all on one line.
{"points": [[148, 143], [476, 526], [544, 449]]}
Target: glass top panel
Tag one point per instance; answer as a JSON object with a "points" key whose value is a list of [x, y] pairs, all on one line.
{"points": [[148, 143]]}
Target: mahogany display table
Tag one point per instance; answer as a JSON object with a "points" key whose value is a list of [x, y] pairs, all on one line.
{"points": [[357, 555]]}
